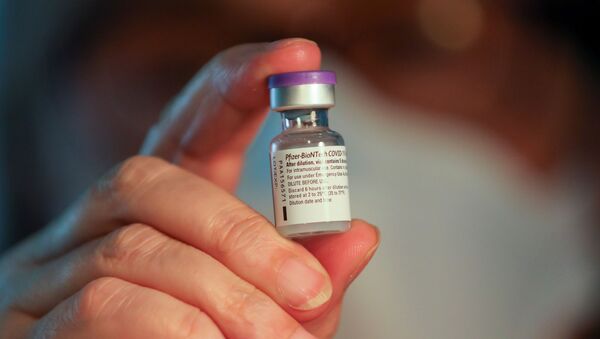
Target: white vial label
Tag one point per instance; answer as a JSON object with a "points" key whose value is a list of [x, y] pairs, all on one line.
{"points": [[310, 185]]}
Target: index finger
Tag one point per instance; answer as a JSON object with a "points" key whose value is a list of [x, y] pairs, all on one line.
{"points": [[209, 125], [201, 214]]}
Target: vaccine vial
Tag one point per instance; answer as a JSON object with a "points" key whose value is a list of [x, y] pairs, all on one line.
{"points": [[308, 160]]}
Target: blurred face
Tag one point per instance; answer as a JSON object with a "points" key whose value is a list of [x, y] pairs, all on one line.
{"points": [[457, 60]]}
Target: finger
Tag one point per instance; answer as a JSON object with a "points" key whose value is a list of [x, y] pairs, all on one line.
{"points": [[144, 256], [326, 325], [197, 212], [210, 124], [113, 308], [193, 210], [344, 256]]}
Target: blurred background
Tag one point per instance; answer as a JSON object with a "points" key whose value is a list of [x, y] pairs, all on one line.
{"points": [[471, 125]]}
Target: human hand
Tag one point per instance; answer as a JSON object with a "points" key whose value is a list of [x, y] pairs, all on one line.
{"points": [[160, 247]]}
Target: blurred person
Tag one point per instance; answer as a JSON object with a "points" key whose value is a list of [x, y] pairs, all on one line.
{"points": [[472, 143]]}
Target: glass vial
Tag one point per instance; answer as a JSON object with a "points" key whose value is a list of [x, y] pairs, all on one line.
{"points": [[308, 160]]}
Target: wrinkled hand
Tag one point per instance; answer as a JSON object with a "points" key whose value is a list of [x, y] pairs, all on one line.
{"points": [[161, 248]]}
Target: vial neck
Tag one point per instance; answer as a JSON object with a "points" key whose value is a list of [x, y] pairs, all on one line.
{"points": [[298, 119]]}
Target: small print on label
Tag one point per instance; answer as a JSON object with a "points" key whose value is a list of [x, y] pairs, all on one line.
{"points": [[310, 185]]}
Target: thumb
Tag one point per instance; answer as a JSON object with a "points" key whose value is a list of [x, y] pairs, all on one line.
{"points": [[344, 256]]}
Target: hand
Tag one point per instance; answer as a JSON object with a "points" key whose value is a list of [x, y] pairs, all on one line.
{"points": [[160, 247]]}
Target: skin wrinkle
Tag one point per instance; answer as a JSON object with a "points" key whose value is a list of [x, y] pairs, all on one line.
{"points": [[192, 323], [255, 239], [231, 303], [249, 310], [211, 294], [119, 301], [129, 245], [93, 299], [219, 218], [133, 179], [241, 235], [251, 244]]}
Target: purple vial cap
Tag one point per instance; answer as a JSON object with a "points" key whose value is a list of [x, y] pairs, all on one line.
{"points": [[302, 78]]}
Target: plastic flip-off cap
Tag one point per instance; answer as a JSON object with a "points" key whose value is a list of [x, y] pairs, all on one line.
{"points": [[299, 90]]}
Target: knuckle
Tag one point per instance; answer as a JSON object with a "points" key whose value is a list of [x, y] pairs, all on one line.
{"points": [[195, 322], [129, 245], [136, 171], [228, 65], [236, 229], [243, 301], [255, 312], [95, 299], [133, 173]]}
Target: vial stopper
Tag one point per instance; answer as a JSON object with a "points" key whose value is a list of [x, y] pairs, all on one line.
{"points": [[299, 90]]}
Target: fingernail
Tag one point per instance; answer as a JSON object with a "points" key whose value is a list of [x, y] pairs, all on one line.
{"points": [[303, 287], [286, 42], [301, 333]]}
